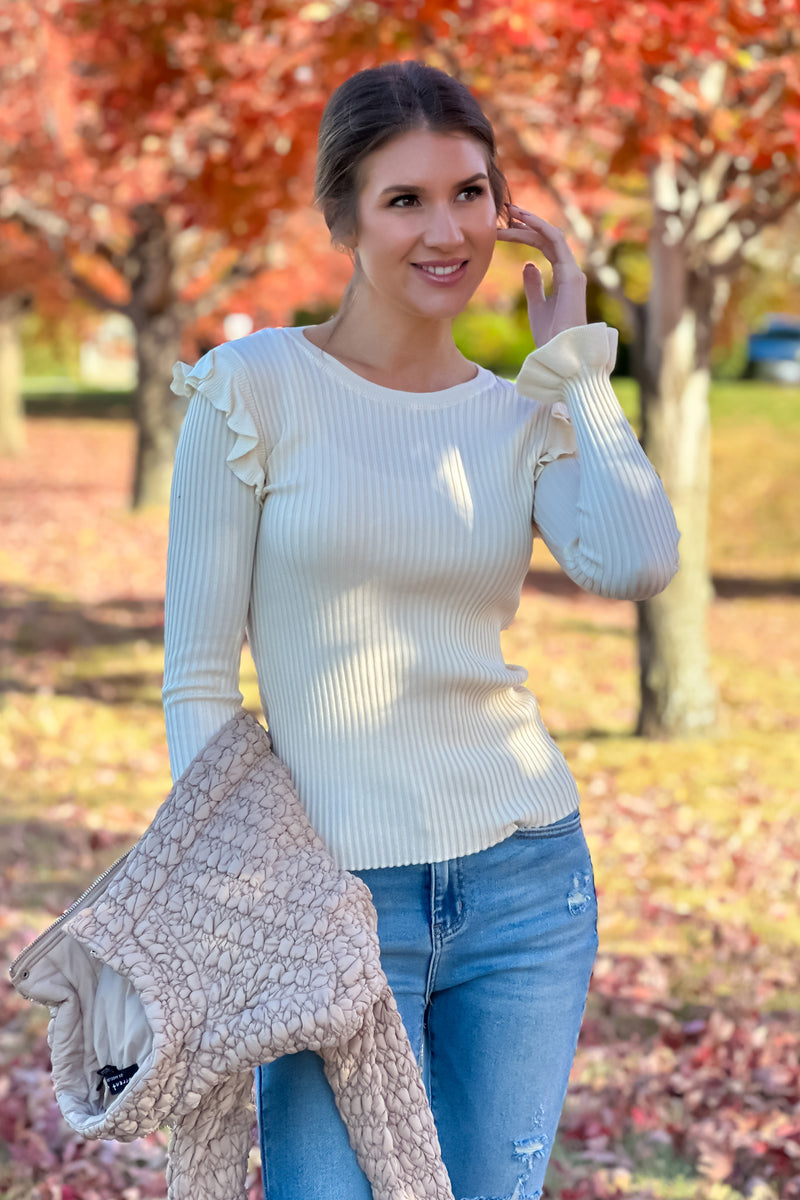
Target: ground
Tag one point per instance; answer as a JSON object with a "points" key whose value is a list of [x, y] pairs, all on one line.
{"points": [[687, 1081]]}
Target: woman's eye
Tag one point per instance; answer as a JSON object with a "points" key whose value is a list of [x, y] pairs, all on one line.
{"points": [[410, 200]]}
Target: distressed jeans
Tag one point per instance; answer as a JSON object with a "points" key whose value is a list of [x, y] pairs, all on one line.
{"points": [[489, 957]]}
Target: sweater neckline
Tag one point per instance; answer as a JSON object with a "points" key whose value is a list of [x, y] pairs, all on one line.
{"points": [[443, 398]]}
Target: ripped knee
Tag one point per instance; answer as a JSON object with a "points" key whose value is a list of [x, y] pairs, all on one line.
{"points": [[579, 896], [525, 1151]]}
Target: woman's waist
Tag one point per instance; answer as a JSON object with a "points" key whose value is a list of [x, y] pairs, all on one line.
{"points": [[346, 705]]}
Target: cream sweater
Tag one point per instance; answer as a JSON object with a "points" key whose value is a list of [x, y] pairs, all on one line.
{"points": [[374, 543]]}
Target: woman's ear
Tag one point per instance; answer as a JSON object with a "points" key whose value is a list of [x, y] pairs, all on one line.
{"points": [[345, 244], [344, 236]]}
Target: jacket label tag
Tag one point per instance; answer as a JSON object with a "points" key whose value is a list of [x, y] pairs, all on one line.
{"points": [[117, 1078]]}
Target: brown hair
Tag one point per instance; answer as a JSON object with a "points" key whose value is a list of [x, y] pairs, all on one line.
{"points": [[378, 104]]}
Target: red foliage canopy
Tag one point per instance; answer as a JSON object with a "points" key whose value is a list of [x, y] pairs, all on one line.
{"points": [[209, 110], [593, 96], [206, 111]]}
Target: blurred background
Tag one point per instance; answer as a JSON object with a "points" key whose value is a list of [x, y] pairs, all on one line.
{"points": [[156, 168]]}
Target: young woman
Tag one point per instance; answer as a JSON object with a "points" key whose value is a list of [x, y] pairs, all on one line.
{"points": [[362, 499]]}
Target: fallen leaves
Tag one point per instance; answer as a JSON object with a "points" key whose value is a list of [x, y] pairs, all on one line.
{"points": [[715, 1095]]}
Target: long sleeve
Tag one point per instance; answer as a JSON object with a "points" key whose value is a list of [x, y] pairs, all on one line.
{"points": [[208, 1149], [602, 513], [212, 532], [379, 1092]]}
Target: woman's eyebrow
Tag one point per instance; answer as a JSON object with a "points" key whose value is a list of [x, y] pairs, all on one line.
{"points": [[402, 189]]}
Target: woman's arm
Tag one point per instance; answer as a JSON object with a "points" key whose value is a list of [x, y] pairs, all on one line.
{"points": [[213, 523], [603, 513]]}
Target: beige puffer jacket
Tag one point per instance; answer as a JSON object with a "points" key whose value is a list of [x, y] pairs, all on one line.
{"points": [[226, 937]]}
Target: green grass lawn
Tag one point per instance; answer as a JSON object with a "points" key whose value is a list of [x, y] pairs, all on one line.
{"points": [[740, 400], [681, 1086]]}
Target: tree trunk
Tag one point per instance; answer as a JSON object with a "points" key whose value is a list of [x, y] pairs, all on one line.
{"points": [[12, 409], [158, 413], [154, 312], [678, 696]]}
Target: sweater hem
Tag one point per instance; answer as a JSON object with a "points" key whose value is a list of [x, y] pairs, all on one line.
{"points": [[464, 849]]}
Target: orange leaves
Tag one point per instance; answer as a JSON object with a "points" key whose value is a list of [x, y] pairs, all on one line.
{"points": [[199, 108], [56, 93], [627, 154], [165, 93], [210, 110], [102, 276], [521, 23]]}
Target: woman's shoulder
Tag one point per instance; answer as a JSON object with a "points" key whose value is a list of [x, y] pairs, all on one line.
{"points": [[256, 351], [256, 355], [251, 371], [242, 379], [261, 345]]}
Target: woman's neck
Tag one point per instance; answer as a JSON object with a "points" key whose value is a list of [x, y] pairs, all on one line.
{"points": [[400, 350]]}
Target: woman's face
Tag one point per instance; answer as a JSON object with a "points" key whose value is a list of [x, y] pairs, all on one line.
{"points": [[427, 223]]}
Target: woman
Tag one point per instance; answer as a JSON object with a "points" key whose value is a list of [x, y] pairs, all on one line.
{"points": [[363, 499]]}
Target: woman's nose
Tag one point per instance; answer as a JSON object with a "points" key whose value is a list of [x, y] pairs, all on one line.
{"points": [[443, 229]]}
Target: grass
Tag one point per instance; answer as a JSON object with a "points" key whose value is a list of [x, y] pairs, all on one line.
{"points": [[741, 401]]}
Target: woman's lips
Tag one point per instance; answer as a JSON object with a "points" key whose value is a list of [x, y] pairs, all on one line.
{"points": [[442, 274]]}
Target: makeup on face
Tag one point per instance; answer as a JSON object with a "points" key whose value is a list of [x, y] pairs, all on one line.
{"points": [[426, 222]]}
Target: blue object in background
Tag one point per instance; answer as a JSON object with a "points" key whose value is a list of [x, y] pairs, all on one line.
{"points": [[774, 351]]}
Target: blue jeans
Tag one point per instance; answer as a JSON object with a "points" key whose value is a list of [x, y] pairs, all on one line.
{"points": [[489, 957]]}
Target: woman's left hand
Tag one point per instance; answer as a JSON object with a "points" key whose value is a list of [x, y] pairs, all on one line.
{"points": [[566, 305]]}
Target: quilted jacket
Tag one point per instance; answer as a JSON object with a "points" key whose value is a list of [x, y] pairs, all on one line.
{"points": [[226, 937]]}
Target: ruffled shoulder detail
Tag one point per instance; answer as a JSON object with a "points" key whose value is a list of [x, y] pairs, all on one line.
{"points": [[221, 377], [583, 350]]}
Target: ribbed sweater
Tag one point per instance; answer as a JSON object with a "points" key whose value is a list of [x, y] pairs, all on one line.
{"points": [[373, 544]]}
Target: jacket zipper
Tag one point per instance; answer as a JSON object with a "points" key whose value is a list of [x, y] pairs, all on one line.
{"points": [[76, 904]]}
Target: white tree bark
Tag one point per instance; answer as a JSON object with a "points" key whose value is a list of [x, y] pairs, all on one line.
{"points": [[12, 409], [677, 696]]}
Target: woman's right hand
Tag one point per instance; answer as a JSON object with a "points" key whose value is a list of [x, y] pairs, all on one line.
{"points": [[565, 307]]}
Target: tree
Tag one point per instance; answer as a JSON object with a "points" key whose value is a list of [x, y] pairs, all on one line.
{"points": [[678, 123], [153, 148], [26, 266], [18, 268], [179, 134], [704, 99], [28, 277]]}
